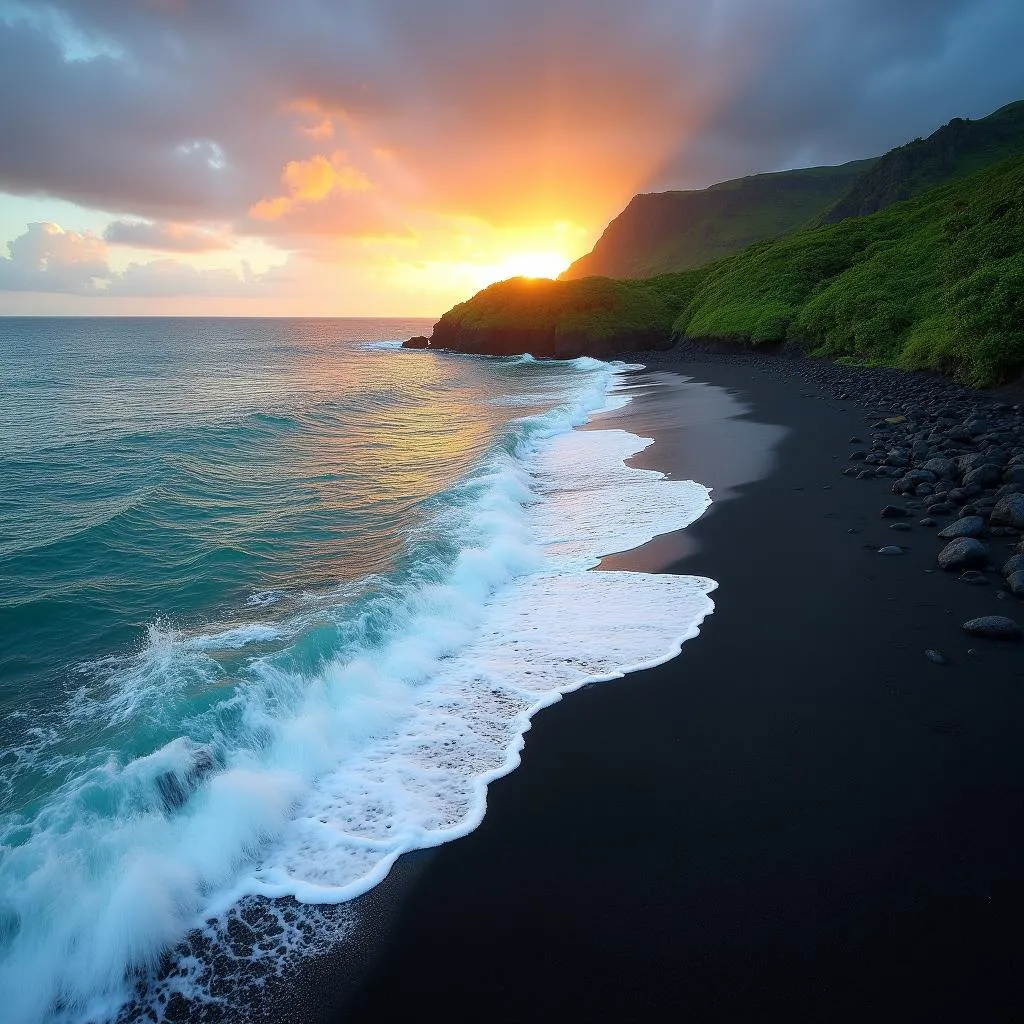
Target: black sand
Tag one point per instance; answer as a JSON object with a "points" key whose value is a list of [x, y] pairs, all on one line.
{"points": [[799, 818]]}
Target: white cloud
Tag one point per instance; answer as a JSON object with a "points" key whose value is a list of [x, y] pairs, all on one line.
{"points": [[46, 258]]}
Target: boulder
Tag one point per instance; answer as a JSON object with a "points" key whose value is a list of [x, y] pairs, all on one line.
{"points": [[1009, 511], [963, 553], [894, 512], [911, 480], [987, 475], [1013, 564], [1015, 581], [1006, 489], [942, 468], [419, 341], [968, 526]]}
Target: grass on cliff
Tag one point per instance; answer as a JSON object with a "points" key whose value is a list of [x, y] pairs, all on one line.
{"points": [[936, 282], [597, 307]]}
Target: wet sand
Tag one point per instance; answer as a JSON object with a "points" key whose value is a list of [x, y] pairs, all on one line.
{"points": [[801, 817]]}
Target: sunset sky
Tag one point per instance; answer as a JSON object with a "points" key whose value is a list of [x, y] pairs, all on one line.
{"points": [[390, 157]]}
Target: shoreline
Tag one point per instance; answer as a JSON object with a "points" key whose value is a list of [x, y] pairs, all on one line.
{"points": [[820, 821]]}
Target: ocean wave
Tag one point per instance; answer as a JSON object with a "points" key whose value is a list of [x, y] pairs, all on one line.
{"points": [[371, 727]]}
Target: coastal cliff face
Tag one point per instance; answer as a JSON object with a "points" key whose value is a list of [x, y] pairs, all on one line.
{"points": [[662, 232]]}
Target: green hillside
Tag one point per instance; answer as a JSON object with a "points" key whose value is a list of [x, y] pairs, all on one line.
{"points": [[956, 150], [594, 315], [662, 232], [934, 282]]}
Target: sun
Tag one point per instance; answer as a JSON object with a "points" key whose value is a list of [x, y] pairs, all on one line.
{"points": [[540, 263]]}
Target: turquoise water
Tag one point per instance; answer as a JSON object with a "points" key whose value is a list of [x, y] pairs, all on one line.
{"points": [[248, 573], [159, 474]]}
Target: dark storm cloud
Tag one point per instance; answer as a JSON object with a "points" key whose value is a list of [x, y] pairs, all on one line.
{"points": [[855, 78], [189, 109]]}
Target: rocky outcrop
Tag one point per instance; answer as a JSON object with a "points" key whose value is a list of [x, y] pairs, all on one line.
{"points": [[542, 343]]}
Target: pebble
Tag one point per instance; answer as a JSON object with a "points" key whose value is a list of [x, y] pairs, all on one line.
{"points": [[890, 549], [893, 512], [993, 627], [901, 526], [973, 576], [1015, 581], [927, 521], [937, 656]]}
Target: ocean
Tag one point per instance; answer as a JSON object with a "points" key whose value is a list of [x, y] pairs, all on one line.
{"points": [[278, 599]]}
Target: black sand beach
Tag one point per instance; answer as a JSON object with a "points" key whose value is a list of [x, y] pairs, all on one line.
{"points": [[801, 817]]}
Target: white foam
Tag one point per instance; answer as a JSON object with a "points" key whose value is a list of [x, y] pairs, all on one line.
{"points": [[236, 637], [329, 777], [395, 343]]}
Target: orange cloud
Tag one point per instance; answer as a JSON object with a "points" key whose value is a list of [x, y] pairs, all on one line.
{"points": [[312, 181], [322, 130], [271, 209]]}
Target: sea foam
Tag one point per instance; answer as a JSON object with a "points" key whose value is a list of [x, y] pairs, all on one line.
{"points": [[315, 776]]}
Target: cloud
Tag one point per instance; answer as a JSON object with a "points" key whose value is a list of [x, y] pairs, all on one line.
{"points": [[163, 236], [191, 110], [311, 181], [46, 258], [313, 124], [167, 277]]}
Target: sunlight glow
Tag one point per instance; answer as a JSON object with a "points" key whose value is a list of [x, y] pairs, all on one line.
{"points": [[522, 264]]}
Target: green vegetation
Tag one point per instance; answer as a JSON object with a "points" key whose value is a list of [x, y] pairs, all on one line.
{"points": [[597, 307], [935, 282], [670, 231], [956, 150]]}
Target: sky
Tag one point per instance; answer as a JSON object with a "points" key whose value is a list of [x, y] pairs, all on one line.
{"points": [[391, 157]]}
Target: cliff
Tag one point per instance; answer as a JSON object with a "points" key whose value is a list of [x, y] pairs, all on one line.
{"points": [[662, 232], [956, 150]]}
